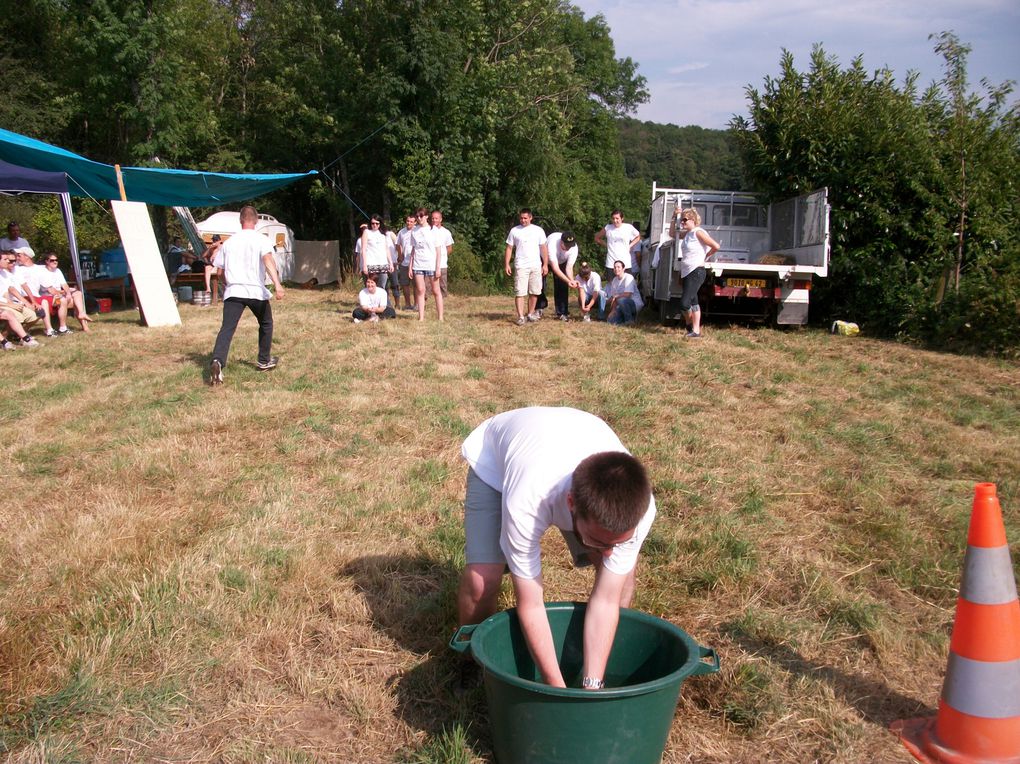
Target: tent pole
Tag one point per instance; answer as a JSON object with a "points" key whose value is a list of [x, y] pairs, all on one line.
{"points": [[72, 241]]}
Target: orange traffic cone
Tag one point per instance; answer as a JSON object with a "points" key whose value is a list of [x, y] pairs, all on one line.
{"points": [[979, 711]]}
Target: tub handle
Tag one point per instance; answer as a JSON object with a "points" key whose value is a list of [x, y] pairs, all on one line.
{"points": [[707, 668], [461, 641]]}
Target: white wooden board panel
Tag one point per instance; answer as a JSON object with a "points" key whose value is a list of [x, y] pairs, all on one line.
{"points": [[146, 263]]}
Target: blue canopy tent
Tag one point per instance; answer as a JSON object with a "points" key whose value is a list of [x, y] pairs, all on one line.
{"points": [[169, 188], [24, 180]]}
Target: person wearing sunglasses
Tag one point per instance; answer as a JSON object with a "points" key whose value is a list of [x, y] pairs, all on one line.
{"points": [[376, 253], [53, 284], [529, 470]]}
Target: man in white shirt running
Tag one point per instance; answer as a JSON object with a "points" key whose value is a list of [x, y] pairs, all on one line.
{"points": [[243, 261], [534, 468]]}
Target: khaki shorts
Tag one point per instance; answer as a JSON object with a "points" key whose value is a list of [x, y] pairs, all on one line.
{"points": [[528, 281], [23, 313], [483, 520]]}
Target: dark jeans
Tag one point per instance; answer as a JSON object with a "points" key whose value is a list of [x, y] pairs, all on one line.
{"points": [[233, 307], [363, 315], [561, 296]]}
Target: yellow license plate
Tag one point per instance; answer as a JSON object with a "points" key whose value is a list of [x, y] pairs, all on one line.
{"points": [[749, 283]]}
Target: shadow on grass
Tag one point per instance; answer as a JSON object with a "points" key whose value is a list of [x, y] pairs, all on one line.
{"points": [[413, 602], [875, 701]]}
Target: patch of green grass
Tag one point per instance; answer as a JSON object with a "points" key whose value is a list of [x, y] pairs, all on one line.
{"points": [[754, 696], [449, 746], [720, 555], [40, 459], [475, 373], [234, 579], [48, 714]]}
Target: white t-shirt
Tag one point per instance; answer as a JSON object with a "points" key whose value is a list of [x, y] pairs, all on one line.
{"points": [[54, 278], [527, 242], [423, 245], [368, 300], [529, 455], [591, 285], [6, 281], [240, 257], [377, 248], [564, 259], [618, 244], [444, 239], [626, 283], [405, 245], [28, 274]]}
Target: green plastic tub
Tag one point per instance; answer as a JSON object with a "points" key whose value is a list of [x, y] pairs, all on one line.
{"points": [[625, 723]]}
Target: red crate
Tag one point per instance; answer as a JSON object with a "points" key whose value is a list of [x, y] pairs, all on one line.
{"points": [[105, 304]]}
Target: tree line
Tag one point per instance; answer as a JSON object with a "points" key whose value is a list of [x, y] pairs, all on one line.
{"points": [[481, 108], [475, 108]]}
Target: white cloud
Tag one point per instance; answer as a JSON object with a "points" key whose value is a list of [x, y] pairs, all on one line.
{"points": [[684, 68]]}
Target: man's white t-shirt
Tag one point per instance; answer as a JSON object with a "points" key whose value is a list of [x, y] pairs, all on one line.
{"points": [[444, 239], [240, 257], [626, 283], [6, 282], [618, 244], [564, 259], [527, 242], [529, 456], [30, 275], [368, 300], [591, 285], [405, 245]]}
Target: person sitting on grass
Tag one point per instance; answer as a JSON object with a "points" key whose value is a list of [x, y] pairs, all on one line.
{"points": [[372, 303], [624, 299], [589, 292], [53, 284], [534, 468], [25, 287]]}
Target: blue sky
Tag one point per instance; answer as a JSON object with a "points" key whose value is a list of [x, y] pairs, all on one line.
{"points": [[698, 57]]}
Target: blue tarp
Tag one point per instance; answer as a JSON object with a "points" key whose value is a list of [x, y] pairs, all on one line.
{"points": [[184, 188], [24, 180]]}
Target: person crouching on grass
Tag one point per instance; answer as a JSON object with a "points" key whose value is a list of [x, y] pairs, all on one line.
{"points": [[534, 468], [372, 303]]}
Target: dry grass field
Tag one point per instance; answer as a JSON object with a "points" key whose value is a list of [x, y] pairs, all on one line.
{"points": [[264, 571]]}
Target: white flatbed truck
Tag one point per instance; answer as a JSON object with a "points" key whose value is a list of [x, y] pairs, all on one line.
{"points": [[767, 261]]}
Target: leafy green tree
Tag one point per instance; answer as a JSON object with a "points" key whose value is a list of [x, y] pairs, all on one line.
{"points": [[908, 173]]}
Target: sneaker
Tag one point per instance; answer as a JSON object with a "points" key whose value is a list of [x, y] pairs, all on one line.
{"points": [[694, 335], [563, 317], [410, 307], [357, 320], [270, 364], [374, 317], [7, 345], [49, 333], [521, 320], [536, 316], [29, 342], [215, 373], [586, 319], [64, 332]]}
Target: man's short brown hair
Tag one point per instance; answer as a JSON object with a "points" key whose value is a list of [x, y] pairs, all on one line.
{"points": [[611, 489]]}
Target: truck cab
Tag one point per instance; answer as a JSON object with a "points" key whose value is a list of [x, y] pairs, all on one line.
{"points": [[768, 256]]}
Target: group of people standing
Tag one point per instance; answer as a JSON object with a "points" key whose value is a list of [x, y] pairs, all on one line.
{"points": [[535, 255], [30, 292], [416, 257]]}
